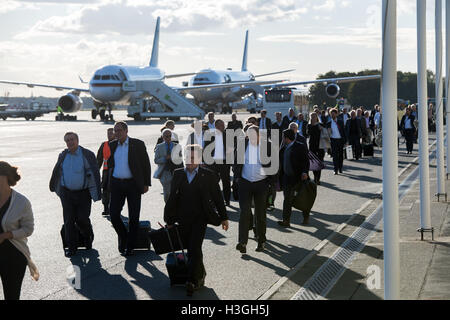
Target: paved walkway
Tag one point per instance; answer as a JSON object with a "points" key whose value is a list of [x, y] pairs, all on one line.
{"points": [[424, 265]]}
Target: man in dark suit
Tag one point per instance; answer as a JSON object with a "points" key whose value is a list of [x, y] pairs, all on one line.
{"points": [[265, 123], [130, 172], [298, 137], [194, 191], [291, 117], [217, 159], [279, 125], [353, 132], [408, 130], [338, 139], [294, 167], [235, 124]]}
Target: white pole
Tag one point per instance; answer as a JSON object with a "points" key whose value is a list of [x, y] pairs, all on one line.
{"points": [[424, 162], [439, 104], [447, 78], [390, 155]]}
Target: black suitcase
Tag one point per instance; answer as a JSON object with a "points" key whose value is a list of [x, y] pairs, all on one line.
{"points": [[143, 239], [368, 150], [82, 243], [176, 263]]}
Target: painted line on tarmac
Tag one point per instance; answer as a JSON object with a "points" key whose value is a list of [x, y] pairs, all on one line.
{"points": [[275, 288]]}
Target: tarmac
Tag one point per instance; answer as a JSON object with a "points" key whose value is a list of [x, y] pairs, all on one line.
{"points": [[424, 265], [292, 257]]}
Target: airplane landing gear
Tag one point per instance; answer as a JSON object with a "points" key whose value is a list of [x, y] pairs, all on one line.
{"points": [[102, 114]]}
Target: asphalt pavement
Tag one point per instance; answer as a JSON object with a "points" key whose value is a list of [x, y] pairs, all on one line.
{"points": [[105, 274]]}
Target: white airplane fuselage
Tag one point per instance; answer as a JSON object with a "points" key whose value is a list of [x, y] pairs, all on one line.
{"points": [[225, 95], [106, 84]]}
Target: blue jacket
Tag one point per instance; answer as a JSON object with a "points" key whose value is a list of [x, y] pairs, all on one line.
{"points": [[91, 170]]}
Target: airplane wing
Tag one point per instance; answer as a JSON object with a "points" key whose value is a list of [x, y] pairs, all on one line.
{"points": [[273, 73], [227, 85], [32, 85], [324, 81]]}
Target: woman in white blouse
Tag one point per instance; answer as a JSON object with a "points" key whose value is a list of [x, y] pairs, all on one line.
{"points": [[16, 225]]}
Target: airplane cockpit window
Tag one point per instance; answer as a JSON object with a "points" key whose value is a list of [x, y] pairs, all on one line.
{"points": [[122, 76], [97, 77], [107, 77], [115, 77], [227, 78]]}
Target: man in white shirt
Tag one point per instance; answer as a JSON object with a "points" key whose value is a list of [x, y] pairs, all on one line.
{"points": [[131, 177], [219, 156], [337, 134], [253, 187], [211, 121]]}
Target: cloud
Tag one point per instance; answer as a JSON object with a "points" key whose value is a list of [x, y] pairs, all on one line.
{"points": [[138, 17]]}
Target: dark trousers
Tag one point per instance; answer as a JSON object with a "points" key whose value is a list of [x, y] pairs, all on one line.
{"points": [[121, 190], [76, 212], [106, 194], [223, 171], [192, 236], [320, 153], [12, 270], [410, 138], [355, 142], [288, 193], [337, 152], [256, 191]]}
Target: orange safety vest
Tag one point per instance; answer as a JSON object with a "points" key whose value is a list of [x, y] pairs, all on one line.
{"points": [[106, 155]]}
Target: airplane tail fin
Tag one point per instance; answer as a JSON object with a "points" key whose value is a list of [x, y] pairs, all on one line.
{"points": [[244, 59], [155, 49]]}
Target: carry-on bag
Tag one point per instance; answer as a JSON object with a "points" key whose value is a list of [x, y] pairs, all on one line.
{"points": [[176, 262], [368, 150], [349, 152], [143, 238], [305, 196]]}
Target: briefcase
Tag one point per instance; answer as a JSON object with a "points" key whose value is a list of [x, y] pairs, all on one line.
{"points": [[81, 242], [165, 240], [305, 196], [368, 150], [349, 152], [143, 238]]}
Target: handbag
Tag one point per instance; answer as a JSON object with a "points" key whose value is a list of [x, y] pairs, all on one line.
{"points": [[349, 152], [315, 164], [304, 196]]}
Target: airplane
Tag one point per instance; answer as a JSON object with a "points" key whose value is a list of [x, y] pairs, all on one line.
{"points": [[106, 85], [222, 99]]}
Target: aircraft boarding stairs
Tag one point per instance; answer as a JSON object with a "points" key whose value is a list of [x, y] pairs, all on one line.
{"points": [[175, 105]]}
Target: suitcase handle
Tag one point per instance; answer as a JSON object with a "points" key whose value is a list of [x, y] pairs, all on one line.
{"points": [[171, 244]]}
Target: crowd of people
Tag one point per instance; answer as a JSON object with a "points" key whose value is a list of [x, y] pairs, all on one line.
{"points": [[253, 161]]}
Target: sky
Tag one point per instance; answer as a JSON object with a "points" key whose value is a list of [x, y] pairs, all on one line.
{"points": [[56, 41]]}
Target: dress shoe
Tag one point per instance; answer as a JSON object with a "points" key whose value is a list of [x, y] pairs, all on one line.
{"points": [[261, 247], [70, 253], [305, 221], [318, 183], [105, 213], [190, 289], [122, 245], [340, 170], [335, 173], [284, 224], [129, 252], [242, 248]]}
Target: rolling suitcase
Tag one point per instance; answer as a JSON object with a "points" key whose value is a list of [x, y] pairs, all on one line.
{"points": [[176, 263], [368, 150], [143, 239], [81, 241]]}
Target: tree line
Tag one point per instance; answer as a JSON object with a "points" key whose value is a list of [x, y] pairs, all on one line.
{"points": [[367, 93]]}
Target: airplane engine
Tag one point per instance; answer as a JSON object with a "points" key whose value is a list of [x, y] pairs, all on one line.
{"points": [[70, 103], [332, 90]]}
